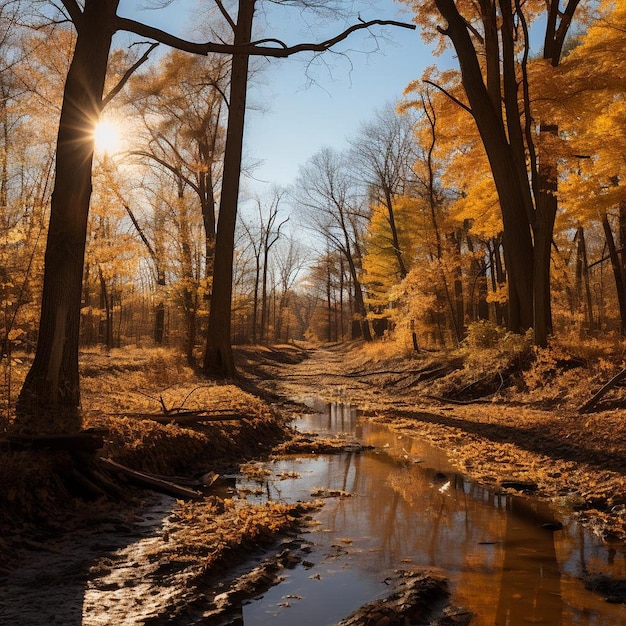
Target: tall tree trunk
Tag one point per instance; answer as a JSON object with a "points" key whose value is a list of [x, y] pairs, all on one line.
{"points": [[218, 357], [516, 214], [360, 324], [402, 271], [255, 300], [341, 289], [105, 331], [544, 227], [4, 154], [159, 311], [207, 204], [622, 237], [360, 312], [459, 307], [53, 380], [189, 276], [498, 277], [582, 278], [478, 273], [618, 274], [329, 304], [264, 301]]}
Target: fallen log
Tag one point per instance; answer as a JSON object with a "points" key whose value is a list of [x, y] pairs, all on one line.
{"points": [[83, 441], [192, 419], [144, 479], [202, 482], [585, 408], [186, 417]]}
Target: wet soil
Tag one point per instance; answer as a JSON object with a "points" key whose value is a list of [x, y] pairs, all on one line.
{"points": [[160, 561], [512, 440]]}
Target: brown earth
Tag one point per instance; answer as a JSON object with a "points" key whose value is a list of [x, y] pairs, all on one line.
{"points": [[500, 418]]}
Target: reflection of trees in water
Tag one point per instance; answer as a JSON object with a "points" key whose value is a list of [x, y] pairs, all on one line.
{"points": [[531, 579], [456, 527], [448, 520], [502, 564], [340, 417], [411, 511]]}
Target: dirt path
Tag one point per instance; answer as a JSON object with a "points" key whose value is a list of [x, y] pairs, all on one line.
{"points": [[578, 461], [146, 565]]}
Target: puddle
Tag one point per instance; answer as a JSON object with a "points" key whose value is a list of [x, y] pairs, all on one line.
{"points": [[505, 561]]}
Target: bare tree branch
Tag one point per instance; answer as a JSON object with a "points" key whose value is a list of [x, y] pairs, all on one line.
{"points": [[127, 74], [252, 49], [171, 168], [447, 93], [225, 14], [74, 11]]}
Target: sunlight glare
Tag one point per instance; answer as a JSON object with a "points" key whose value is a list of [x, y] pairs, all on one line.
{"points": [[107, 137]]}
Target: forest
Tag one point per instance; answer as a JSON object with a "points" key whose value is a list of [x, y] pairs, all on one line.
{"points": [[467, 246], [427, 225]]}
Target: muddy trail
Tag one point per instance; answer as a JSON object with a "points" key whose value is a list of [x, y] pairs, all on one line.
{"points": [[512, 437], [384, 507]]}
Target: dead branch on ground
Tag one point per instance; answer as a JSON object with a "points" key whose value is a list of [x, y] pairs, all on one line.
{"points": [[585, 408]]}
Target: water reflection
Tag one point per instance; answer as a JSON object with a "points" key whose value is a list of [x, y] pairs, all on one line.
{"points": [[531, 578], [408, 506]]}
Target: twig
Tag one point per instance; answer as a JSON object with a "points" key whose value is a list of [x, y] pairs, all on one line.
{"points": [[603, 390], [151, 481]]}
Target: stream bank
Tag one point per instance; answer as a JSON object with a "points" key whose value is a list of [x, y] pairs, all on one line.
{"points": [[491, 443]]}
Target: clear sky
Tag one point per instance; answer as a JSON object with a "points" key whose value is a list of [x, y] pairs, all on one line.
{"points": [[290, 117], [300, 117]]}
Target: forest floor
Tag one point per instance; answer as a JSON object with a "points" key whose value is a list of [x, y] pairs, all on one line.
{"points": [[502, 421]]}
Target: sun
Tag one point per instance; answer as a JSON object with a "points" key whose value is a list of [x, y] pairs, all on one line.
{"points": [[107, 137]]}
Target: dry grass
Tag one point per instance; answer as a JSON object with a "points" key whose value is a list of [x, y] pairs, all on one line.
{"points": [[115, 388]]}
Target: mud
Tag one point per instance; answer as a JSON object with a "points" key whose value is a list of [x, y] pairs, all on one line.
{"points": [[165, 562]]}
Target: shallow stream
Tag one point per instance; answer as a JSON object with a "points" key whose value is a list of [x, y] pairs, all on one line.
{"points": [[504, 555]]}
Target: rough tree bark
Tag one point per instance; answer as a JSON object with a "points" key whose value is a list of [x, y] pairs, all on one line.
{"points": [[218, 357], [528, 212], [518, 245], [53, 380]]}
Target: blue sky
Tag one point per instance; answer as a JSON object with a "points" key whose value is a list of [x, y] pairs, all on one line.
{"points": [[290, 117], [300, 118]]}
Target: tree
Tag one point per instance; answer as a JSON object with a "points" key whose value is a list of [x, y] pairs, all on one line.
{"points": [[492, 45], [380, 261], [28, 92], [457, 185], [218, 358], [262, 239], [590, 108], [52, 383], [383, 154], [324, 286], [111, 255], [289, 264], [335, 209], [181, 108]]}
